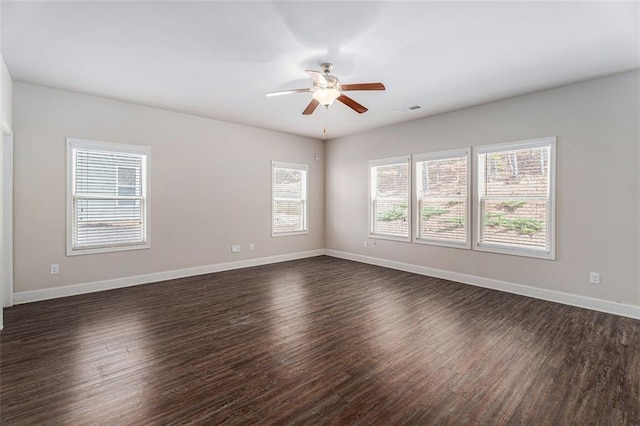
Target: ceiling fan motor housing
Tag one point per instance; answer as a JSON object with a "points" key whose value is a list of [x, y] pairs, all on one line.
{"points": [[332, 83]]}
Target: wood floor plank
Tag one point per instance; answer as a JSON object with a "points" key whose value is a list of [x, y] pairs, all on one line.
{"points": [[316, 341]]}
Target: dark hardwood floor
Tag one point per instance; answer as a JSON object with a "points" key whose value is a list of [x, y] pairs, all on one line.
{"points": [[316, 341]]}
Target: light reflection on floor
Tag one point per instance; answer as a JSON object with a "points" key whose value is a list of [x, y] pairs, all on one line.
{"points": [[105, 362], [386, 311], [289, 319]]}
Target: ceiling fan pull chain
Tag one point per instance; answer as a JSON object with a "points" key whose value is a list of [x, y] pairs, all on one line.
{"points": [[326, 124]]}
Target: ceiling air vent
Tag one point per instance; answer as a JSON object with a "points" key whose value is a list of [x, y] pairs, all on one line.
{"points": [[411, 108]]}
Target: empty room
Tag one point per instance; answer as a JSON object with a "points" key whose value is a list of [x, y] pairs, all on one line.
{"points": [[368, 212]]}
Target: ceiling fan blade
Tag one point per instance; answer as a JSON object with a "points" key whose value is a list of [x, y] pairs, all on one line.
{"points": [[352, 104], [288, 92], [317, 76], [311, 107], [362, 86]]}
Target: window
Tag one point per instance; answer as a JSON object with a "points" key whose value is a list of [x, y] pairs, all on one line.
{"points": [[442, 198], [108, 202], [289, 198], [515, 198], [389, 200]]}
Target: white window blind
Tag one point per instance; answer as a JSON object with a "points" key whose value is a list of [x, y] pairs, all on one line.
{"points": [[442, 213], [289, 198], [516, 198], [389, 198], [108, 196]]}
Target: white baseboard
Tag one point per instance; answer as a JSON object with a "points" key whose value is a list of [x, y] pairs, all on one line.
{"points": [[607, 306], [622, 309], [91, 287]]}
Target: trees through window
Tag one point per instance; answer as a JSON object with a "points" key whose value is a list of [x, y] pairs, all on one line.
{"points": [[514, 208], [442, 198], [389, 198], [515, 198]]}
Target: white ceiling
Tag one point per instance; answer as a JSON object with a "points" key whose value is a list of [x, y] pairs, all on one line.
{"points": [[218, 59]]}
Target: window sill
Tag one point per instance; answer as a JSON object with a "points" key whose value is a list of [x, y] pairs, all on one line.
{"points": [[523, 252], [464, 246], [288, 234], [390, 237], [80, 252]]}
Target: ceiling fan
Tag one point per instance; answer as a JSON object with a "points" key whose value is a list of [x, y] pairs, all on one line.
{"points": [[327, 89]]}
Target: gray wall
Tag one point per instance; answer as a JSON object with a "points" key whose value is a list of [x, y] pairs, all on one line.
{"points": [[598, 159], [210, 187], [6, 95]]}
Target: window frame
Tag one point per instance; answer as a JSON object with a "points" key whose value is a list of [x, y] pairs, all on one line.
{"points": [[305, 199], [86, 144], [442, 155], [387, 162], [549, 254]]}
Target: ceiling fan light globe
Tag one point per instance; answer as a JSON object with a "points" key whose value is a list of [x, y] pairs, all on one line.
{"points": [[326, 97]]}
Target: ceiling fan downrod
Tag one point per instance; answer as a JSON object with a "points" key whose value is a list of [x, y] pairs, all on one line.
{"points": [[326, 67]]}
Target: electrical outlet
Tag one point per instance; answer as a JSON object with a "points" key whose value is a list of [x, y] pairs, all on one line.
{"points": [[54, 268], [594, 277], [251, 246], [235, 248], [365, 244]]}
